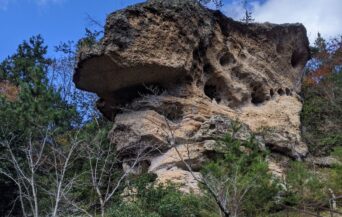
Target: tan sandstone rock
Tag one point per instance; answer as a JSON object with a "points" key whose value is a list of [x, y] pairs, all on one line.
{"points": [[171, 73]]}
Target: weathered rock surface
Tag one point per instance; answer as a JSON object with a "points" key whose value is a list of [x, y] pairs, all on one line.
{"points": [[170, 72]]}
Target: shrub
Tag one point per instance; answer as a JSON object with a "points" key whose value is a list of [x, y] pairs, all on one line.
{"points": [[241, 173], [322, 130], [161, 200], [335, 173], [305, 188], [322, 93]]}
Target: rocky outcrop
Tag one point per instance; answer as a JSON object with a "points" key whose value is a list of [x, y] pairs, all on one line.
{"points": [[173, 73]]}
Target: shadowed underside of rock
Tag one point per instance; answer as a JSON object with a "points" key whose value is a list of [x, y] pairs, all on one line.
{"points": [[175, 66]]}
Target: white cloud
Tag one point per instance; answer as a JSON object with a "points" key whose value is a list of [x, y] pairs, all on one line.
{"points": [[234, 9], [324, 16]]}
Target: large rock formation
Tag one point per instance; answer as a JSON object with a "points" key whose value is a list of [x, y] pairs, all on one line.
{"points": [[171, 72]]}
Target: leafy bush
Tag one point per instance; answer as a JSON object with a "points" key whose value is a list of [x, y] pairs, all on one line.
{"points": [[242, 173], [335, 173], [322, 93], [158, 201], [305, 187], [322, 130]]}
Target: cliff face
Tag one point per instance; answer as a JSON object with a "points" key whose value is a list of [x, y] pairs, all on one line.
{"points": [[174, 73]]}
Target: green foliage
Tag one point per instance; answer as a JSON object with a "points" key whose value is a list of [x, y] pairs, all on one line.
{"points": [[322, 93], [158, 201], [242, 171], [322, 129], [304, 187], [38, 108], [28, 65], [334, 173], [88, 40], [130, 210], [337, 153], [38, 105]]}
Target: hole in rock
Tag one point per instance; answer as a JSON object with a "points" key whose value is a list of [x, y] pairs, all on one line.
{"points": [[235, 46], [188, 79], [128, 94], [219, 89], [288, 92], [200, 51], [211, 91], [208, 68], [281, 92], [258, 96], [296, 59], [238, 73], [243, 56], [272, 92], [227, 59], [244, 98], [173, 112], [106, 109], [212, 126]]}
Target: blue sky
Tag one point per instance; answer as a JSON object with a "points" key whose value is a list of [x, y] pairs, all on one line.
{"points": [[56, 20], [63, 20]]}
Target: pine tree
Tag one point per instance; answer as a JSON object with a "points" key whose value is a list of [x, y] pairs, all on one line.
{"points": [[37, 109], [38, 104]]}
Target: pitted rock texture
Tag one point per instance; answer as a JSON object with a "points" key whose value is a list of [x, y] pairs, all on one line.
{"points": [[173, 73]]}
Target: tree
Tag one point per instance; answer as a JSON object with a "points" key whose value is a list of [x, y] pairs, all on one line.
{"points": [[322, 97], [39, 168], [37, 107], [38, 104], [61, 74], [327, 59], [304, 187], [241, 178], [104, 172], [106, 178], [248, 14], [144, 197]]}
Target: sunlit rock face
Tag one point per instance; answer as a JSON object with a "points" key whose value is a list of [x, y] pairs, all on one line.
{"points": [[172, 70]]}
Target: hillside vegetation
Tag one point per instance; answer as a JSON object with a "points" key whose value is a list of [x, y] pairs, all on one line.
{"points": [[56, 158]]}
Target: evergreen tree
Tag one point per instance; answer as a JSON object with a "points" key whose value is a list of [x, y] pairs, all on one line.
{"points": [[241, 176], [36, 109], [322, 95], [38, 105]]}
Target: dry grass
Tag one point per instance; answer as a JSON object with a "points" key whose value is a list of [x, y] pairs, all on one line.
{"points": [[9, 90]]}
